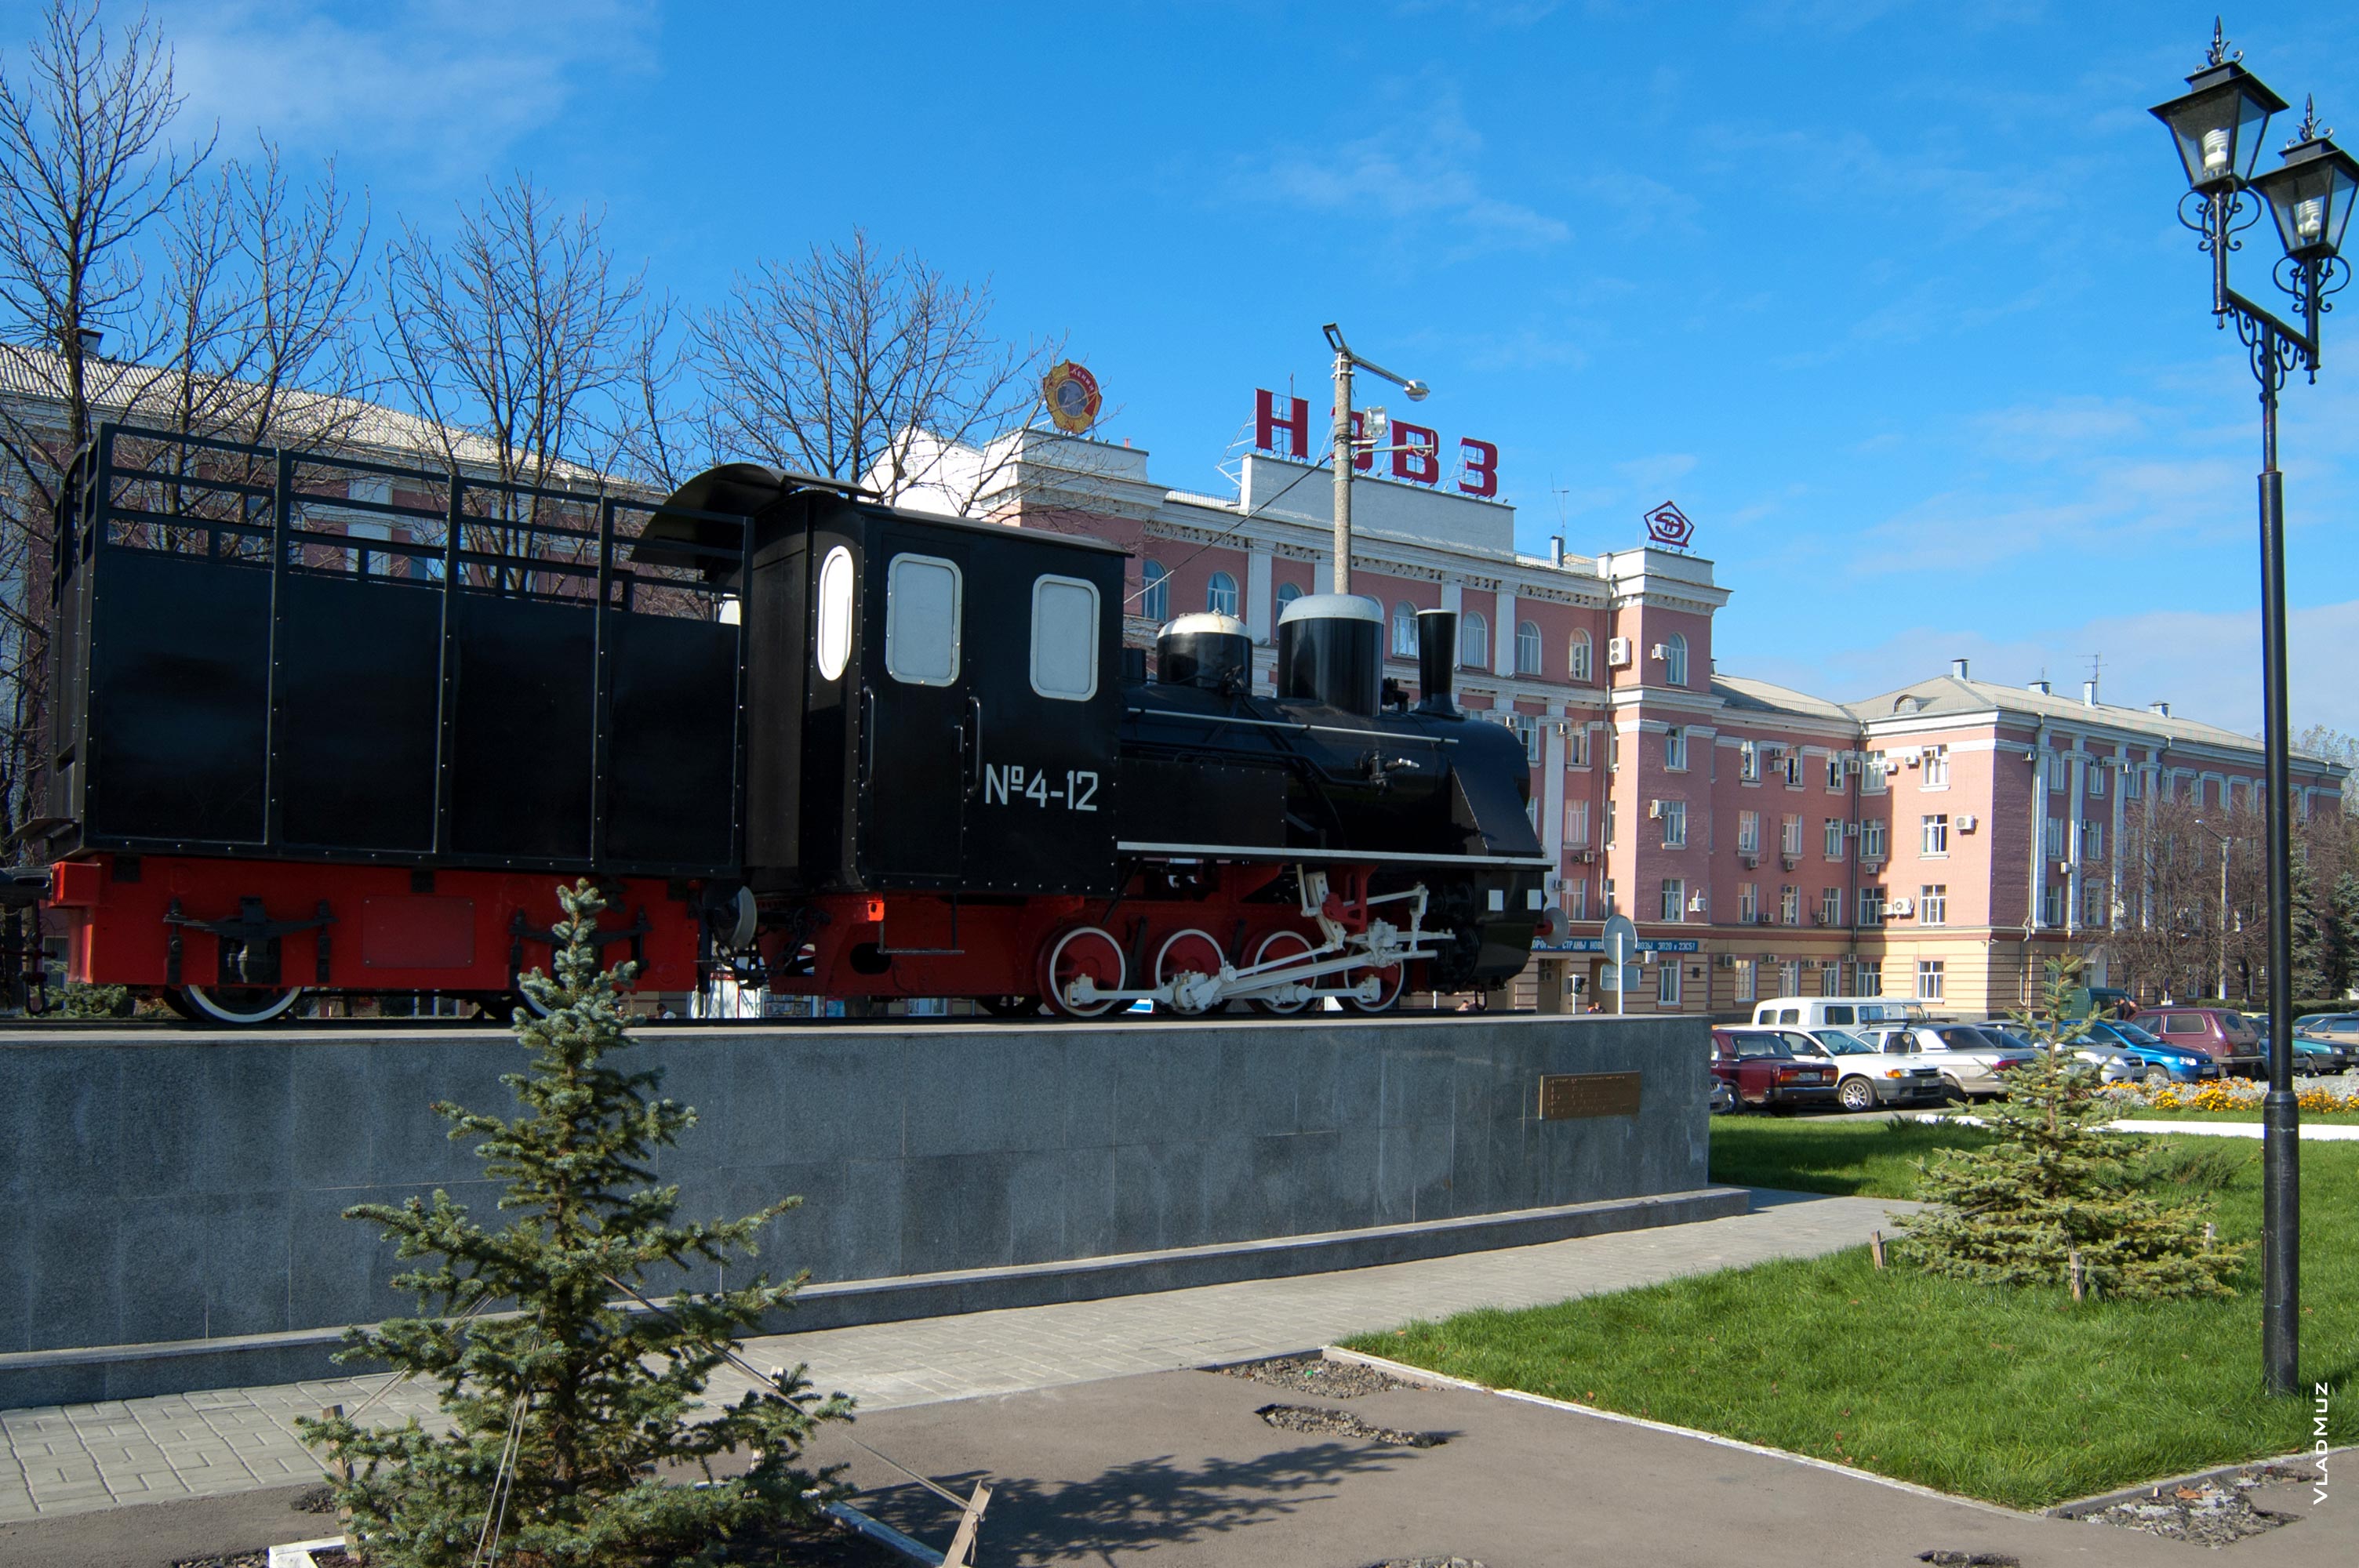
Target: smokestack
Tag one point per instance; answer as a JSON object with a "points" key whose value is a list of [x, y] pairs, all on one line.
{"points": [[1556, 551], [2089, 692], [1958, 669], [1437, 655], [2041, 686], [2161, 710]]}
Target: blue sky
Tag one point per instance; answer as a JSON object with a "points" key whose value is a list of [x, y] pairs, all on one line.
{"points": [[1890, 297]]}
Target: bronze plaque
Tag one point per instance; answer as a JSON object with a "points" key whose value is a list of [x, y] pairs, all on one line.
{"points": [[1564, 1095]]}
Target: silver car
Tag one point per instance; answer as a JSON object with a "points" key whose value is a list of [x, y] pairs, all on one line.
{"points": [[1969, 1059], [2113, 1064]]}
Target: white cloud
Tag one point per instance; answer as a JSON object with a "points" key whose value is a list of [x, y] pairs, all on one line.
{"points": [[449, 83]]}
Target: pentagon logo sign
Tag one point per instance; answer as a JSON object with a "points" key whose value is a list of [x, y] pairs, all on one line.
{"points": [[1667, 524]]}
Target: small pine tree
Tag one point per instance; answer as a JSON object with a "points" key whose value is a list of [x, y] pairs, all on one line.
{"points": [[2313, 955], [2343, 930], [568, 1406], [2051, 1185]]}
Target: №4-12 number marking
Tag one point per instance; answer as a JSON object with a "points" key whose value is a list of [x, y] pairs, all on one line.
{"points": [[1005, 783]]}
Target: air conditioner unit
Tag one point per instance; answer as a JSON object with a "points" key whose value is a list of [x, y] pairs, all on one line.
{"points": [[1901, 908], [1661, 651], [1851, 830], [1789, 861], [1617, 651], [1695, 904], [1654, 808], [1582, 857], [1911, 759], [1809, 963], [1966, 821], [1723, 962]]}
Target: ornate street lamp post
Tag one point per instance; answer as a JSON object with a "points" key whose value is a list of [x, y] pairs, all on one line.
{"points": [[2217, 124]]}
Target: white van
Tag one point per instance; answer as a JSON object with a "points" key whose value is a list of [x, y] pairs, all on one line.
{"points": [[1838, 1012]]}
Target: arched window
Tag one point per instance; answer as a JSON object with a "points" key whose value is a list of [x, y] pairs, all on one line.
{"points": [[1576, 660], [1286, 594], [1220, 594], [1527, 648], [1674, 659], [1474, 641], [1405, 631], [1155, 604]]}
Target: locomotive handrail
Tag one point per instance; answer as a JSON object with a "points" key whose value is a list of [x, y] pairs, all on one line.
{"points": [[1295, 724]]}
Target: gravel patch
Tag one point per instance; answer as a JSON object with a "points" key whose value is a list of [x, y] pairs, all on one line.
{"points": [[2207, 1513], [1316, 1375], [1343, 1423]]}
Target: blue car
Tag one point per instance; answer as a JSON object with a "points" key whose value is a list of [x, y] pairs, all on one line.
{"points": [[2176, 1064]]}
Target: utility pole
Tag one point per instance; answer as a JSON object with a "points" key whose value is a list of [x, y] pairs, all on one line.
{"points": [[1345, 363]]}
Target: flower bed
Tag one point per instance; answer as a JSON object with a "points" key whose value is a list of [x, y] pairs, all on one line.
{"points": [[2238, 1095]]}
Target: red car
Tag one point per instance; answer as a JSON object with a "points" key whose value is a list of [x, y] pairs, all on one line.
{"points": [[2227, 1037], [1761, 1068]]}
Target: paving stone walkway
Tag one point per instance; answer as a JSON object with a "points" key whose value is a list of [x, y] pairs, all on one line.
{"points": [[74, 1458]]}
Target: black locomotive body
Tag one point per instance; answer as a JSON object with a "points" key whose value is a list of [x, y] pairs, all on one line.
{"points": [[940, 773]]}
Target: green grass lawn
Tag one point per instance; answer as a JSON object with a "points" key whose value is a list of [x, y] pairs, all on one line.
{"points": [[2019, 1397]]}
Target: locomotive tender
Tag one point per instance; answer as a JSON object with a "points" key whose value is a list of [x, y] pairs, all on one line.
{"points": [[325, 724]]}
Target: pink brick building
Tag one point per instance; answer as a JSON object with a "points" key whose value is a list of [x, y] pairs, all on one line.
{"points": [[1941, 841]]}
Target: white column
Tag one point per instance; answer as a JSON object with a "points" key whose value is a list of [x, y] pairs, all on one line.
{"points": [[2076, 797], [1258, 609], [2115, 902], [1503, 634], [2038, 838], [1453, 596], [1552, 788]]}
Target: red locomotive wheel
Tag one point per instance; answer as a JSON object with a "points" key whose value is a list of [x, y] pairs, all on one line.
{"points": [[1277, 947], [1183, 954], [1084, 950], [1391, 980]]}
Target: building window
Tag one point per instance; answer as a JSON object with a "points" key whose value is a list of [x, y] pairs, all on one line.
{"points": [[1835, 844], [1405, 631], [1929, 980], [1789, 767], [2130, 776], [2094, 912], [1613, 819], [1675, 899], [2053, 841], [2059, 770], [1834, 770], [1286, 594], [1936, 843], [1871, 840], [2051, 905], [1577, 900], [1789, 905], [1666, 981], [1830, 906], [2097, 766], [1675, 749], [1155, 601], [1937, 769], [1605, 886], [1831, 979], [1220, 594], [2093, 841], [1577, 657], [1474, 641], [1576, 745], [1748, 833], [1748, 763], [1869, 977], [1871, 906], [1746, 979], [1674, 659], [1790, 841], [1675, 825], [1790, 978], [1748, 902], [1527, 648], [1527, 730], [1576, 823], [1873, 773], [1933, 903]]}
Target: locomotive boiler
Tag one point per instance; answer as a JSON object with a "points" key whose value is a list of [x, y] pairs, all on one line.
{"points": [[825, 746]]}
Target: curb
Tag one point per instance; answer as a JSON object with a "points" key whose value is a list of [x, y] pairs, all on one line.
{"points": [[2305, 1458], [1408, 1374]]}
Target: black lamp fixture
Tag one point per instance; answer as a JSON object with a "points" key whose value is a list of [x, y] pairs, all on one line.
{"points": [[2217, 126]]}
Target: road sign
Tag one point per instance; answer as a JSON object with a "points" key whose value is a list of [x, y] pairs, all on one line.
{"points": [[1621, 942]]}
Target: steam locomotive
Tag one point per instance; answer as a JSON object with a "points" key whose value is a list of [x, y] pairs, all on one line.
{"points": [[323, 724]]}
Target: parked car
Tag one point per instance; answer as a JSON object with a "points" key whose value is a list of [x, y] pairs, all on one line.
{"points": [[2163, 1062], [1970, 1061], [1867, 1077], [1761, 1067], [2342, 1027], [2224, 1034], [2113, 1064], [1815, 1013], [2316, 1055]]}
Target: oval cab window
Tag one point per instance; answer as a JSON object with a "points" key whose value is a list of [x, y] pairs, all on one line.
{"points": [[834, 613], [921, 620]]}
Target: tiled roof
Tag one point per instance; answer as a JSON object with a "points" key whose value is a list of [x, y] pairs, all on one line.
{"points": [[1747, 696], [1946, 694]]}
